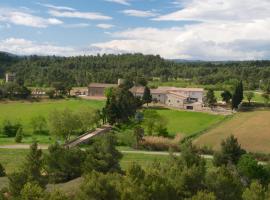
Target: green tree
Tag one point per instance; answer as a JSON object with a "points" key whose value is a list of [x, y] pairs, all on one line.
{"points": [[33, 165], [223, 184], [16, 182], [266, 98], [226, 96], [63, 164], [57, 195], [249, 95], [210, 98], [63, 123], [147, 97], [2, 171], [231, 152], [88, 118], [238, 95], [102, 156], [100, 186], [249, 169], [254, 192], [153, 122], [19, 135], [39, 124], [32, 191], [10, 129]]}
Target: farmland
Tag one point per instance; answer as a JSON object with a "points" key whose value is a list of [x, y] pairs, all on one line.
{"points": [[251, 128], [179, 122], [188, 123]]}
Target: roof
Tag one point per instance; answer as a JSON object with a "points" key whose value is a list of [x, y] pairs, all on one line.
{"points": [[178, 94], [102, 85], [165, 90]]}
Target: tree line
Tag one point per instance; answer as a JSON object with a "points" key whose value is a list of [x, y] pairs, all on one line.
{"points": [[80, 71]]}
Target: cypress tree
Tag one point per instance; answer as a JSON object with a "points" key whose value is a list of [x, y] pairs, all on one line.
{"points": [[237, 95], [147, 97]]}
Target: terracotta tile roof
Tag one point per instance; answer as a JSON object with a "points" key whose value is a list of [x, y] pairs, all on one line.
{"points": [[102, 85]]}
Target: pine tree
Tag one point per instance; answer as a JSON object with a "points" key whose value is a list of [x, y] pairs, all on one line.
{"points": [[147, 97], [33, 164]]}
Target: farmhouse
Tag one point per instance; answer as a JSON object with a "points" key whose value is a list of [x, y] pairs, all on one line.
{"points": [[98, 89], [183, 98]]}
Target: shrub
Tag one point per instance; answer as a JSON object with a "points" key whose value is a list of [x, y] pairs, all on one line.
{"points": [[155, 143], [19, 135], [10, 129], [2, 171]]}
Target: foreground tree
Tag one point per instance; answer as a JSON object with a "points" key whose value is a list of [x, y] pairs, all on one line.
{"points": [[231, 152], [32, 191], [254, 192], [102, 156]]}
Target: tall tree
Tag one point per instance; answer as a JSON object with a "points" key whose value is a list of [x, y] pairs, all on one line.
{"points": [[147, 97], [237, 96]]}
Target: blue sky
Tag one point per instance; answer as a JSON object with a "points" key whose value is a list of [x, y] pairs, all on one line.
{"points": [[182, 29]]}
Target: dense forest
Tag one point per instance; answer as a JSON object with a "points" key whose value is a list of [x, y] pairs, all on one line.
{"points": [[81, 70]]}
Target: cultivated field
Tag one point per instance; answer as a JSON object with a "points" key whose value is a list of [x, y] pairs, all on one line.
{"points": [[251, 128], [189, 123]]}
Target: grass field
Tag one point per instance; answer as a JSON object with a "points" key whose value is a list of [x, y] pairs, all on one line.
{"points": [[251, 128], [23, 112], [257, 97], [189, 123]]}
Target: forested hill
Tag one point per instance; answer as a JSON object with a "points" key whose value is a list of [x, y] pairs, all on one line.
{"points": [[79, 71]]}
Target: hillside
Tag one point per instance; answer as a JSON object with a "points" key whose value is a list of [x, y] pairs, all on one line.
{"points": [[251, 128]]}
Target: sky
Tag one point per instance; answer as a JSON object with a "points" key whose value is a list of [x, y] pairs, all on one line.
{"points": [[174, 29]]}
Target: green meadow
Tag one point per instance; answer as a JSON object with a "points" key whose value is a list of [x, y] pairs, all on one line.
{"points": [[188, 122], [23, 112]]}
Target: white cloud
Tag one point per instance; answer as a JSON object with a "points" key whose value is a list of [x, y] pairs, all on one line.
{"points": [[57, 7], [219, 10], [225, 30], [123, 2], [81, 15], [21, 46], [22, 18], [140, 13], [105, 26]]}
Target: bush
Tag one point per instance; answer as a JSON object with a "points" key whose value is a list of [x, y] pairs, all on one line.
{"points": [[2, 171], [19, 135], [10, 129], [154, 143]]}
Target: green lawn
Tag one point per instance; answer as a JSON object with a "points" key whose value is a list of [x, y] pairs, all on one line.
{"points": [[23, 112], [189, 123]]}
